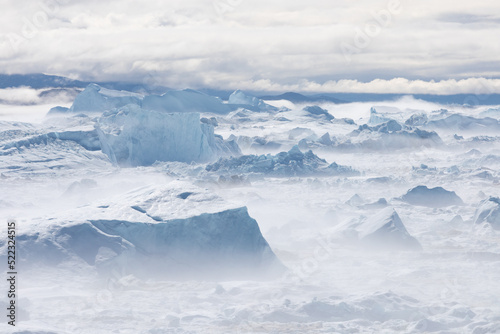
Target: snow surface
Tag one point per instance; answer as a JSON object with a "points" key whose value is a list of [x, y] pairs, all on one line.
{"points": [[85, 224]]}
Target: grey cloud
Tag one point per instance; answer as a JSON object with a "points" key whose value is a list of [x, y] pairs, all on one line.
{"points": [[189, 43]]}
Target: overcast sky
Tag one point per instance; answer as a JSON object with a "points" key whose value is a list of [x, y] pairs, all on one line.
{"points": [[399, 46]]}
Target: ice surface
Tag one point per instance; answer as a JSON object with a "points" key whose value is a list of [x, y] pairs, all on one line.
{"points": [[435, 197]]}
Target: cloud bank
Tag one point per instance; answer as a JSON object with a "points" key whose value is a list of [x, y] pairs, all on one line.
{"points": [[439, 47]]}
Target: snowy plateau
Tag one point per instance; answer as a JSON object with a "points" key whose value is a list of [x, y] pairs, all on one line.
{"points": [[187, 213]]}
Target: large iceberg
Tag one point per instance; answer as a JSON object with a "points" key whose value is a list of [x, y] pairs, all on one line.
{"points": [[132, 136], [98, 99], [178, 232]]}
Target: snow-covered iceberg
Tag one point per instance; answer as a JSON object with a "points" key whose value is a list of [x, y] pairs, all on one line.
{"points": [[383, 230], [489, 212], [437, 197], [177, 231], [98, 99], [132, 136]]}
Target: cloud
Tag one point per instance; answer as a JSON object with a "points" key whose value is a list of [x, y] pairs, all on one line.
{"points": [[30, 96], [195, 43], [477, 86]]}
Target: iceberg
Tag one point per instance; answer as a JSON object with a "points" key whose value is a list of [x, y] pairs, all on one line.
{"points": [[390, 135], [98, 99], [489, 212], [240, 99], [377, 117], [132, 136], [317, 111], [178, 231], [385, 230], [457, 122], [283, 164], [437, 197]]}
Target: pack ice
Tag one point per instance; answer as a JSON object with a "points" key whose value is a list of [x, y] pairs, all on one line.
{"points": [[489, 212]]}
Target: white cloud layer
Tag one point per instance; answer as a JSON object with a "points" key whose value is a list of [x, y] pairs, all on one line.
{"points": [[326, 45], [30, 96]]}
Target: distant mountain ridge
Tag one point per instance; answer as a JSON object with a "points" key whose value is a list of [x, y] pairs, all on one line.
{"points": [[44, 81]]}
